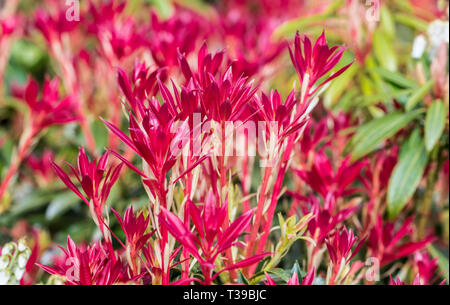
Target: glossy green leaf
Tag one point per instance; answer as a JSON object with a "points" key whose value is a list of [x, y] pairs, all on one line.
{"points": [[442, 261], [164, 7], [418, 95], [198, 6], [339, 85], [26, 53], [347, 101], [281, 273], [242, 279], [60, 204], [382, 97], [369, 136], [413, 140], [6, 151], [30, 202], [387, 21], [411, 21], [100, 133], [406, 174], [290, 27], [382, 47], [395, 78], [296, 268], [434, 123]]}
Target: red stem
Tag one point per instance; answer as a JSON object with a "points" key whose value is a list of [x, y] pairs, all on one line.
{"points": [[278, 184], [245, 175], [23, 152], [259, 212], [223, 183]]}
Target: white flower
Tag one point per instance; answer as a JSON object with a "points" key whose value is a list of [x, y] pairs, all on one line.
{"points": [[8, 249], [419, 45], [21, 246], [18, 272], [5, 275], [437, 31], [22, 260], [4, 262]]}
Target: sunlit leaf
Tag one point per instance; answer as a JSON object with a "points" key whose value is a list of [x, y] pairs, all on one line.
{"points": [[384, 53], [418, 95], [396, 78], [434, 123], [369, 136], [60, 204], [442, 261], [407, 174]]}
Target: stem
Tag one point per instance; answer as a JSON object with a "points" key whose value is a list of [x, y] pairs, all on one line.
{"points": [[5, 47], [223, 178], [276, 192], [207, 273], [97, 211], [311, 259], [333, 276], [9, 9], [259, 212], [425, 208], [23, 152], [283, 167], [245, 176], [223, 183], [71, 85], [185, 265]]}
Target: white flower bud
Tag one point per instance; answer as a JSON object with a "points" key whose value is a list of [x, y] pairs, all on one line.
{"points": [[4, 262], [18, 272], [419, 45], [22, 260], [5, 275], [437, 34], [21, 245], [8, 249]]}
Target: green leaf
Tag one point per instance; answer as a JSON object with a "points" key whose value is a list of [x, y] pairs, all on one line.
{"points": [[411, 21], [442, 261], [290, 27], [26, 53], [396, 78], [369, 136], [387, 21], [413, 140], [382, 48], [347, 101], [6, 151], [242, 279], [375, 111], [340, 85], [30, 202], [198, 6], [406, 174], [100, 133], [375, 98], [418, 95], [434, 123], [164, 7], [281, 273], [62, 203], [296, 268]]}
